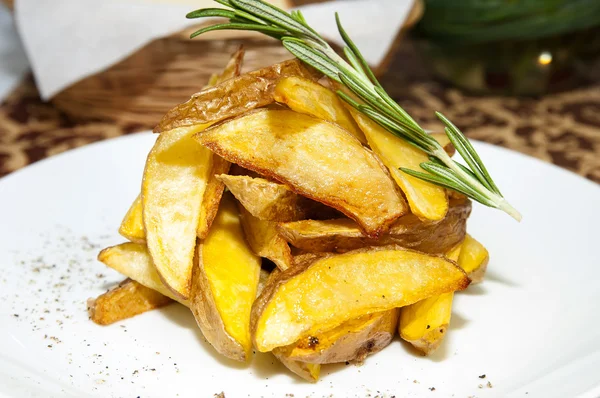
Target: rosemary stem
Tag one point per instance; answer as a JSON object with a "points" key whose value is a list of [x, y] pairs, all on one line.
{"points": [[499, 201]]}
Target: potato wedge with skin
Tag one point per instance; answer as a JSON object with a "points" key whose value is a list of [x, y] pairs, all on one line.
{"points": [[351, 341], [128, 299], [264, 240], [174, 183], [426, 200], [133, 261], [132, 226], [307, 371], [314, 158], [474, 259], [307, 96], [424, 323], [225, 283], [264, 199], [342, 235], [322, 294], [234, 96], [271, 201]]}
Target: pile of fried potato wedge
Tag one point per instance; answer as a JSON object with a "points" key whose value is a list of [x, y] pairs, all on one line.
{"points": [[280, 218]]}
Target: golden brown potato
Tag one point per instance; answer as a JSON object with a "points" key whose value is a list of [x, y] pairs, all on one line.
{"points": [[307, 371], [133, 261], [128, 299], [264, 199], [271, 201], [225, 282], [424, 323], [233, 97], [342, 235], [174, 183], [264, 240], [132, 226], [474, 259], [289, 147], [306, 96], [351, 341], [426, 200], [323, 293]]}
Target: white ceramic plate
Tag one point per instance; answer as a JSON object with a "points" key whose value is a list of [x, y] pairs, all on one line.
{"points": [[533, 327]]}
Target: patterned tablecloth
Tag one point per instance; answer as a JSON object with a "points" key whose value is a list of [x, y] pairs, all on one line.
{"points": [[561, 128]]}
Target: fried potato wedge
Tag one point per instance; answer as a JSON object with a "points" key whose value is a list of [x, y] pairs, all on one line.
{"points": [[264, 199], [289, 147], [134, 261], [225, 283], [307, 96], [342, 235], [128, 299], [212, 195], [473, 258], [132, 226], [318, 296], [233, 97], [351, 341], [264, 240], [307, 371], [426, 200], [271, 201], [424, 323], [173, 186]]}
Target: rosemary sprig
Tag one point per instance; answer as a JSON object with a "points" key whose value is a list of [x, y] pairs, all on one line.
{"points": [[472, 179]]}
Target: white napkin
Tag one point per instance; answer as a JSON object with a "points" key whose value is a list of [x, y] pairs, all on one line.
{"points": [[13, 62], [67, 40]]}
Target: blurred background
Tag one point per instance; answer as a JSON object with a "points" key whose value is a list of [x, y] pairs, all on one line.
{"points": [[523, 74]]}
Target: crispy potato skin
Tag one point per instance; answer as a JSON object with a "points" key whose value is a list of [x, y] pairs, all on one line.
{"points": [[306, 96], [286, 146], [352, 341], [301, 298], [264, 240], [233, 97], [224, 286], [343, 235], [128, 299]]}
